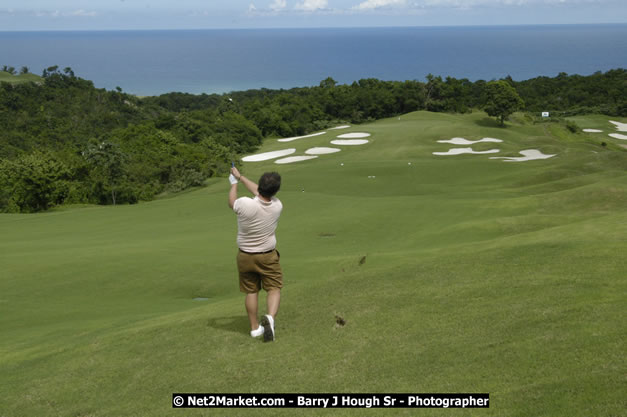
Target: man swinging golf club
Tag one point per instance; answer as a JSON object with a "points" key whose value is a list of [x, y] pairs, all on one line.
{"points": [[258, 259]]}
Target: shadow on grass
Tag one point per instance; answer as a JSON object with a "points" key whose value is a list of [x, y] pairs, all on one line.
{"points": [[235, 324], [489, 122]]}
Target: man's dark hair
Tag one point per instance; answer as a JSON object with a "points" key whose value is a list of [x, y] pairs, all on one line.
{"points": [[269, 184]]}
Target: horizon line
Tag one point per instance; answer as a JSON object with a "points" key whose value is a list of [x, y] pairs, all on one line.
{"points": [[320, 27]]}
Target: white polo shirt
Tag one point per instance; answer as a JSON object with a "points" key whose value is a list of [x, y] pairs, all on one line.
{"points": [[256, 222]]}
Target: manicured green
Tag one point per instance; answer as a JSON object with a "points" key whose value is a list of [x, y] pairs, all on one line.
{"points": [[480, 276]]}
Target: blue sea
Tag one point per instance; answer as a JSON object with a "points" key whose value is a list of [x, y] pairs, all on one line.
{"points": [[219, 61]]}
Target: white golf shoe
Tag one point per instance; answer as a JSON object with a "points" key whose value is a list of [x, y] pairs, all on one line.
{"points": [[268, 324], [258, 332]]}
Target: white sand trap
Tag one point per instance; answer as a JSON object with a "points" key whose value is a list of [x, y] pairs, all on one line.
{"points": [[621, 127], [462, 141], [618, 136], [291, 159], [321, 151], [592, 131], [301, 137], [353, 135], [350, 142], [268, 155], [459, 151], [340, 127], [528, 155]]}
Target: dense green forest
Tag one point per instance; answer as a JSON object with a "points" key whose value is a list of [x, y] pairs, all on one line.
{"points": [[63, 141]]}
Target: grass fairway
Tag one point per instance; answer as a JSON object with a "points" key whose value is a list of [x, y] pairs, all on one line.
{"points": [[480, 276]]}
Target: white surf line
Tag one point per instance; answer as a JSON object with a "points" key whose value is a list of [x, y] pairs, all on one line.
{"points": [[621, 127], [353, 135], [321, 151], [268, 155], [463, 141], [340, 127], [618, 136], [593, 131], [459, 151], [301, 137], [350, 142], [292, 159], [528, 155]]}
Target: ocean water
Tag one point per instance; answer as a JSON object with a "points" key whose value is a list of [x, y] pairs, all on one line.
{"points": [[218, 61]]}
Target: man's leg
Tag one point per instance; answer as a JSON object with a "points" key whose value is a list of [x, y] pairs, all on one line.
{"points": [[272, 283], [251, 308], [273, 300]]}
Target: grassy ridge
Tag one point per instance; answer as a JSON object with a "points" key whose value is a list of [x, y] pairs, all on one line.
{"points": [[480, 276], [19, 78]]}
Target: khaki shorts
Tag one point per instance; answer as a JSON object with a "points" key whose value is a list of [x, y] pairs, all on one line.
{"points": [[257, 269]]}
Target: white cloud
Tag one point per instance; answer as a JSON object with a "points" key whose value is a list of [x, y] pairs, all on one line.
{"points": [[199, 13], [82, 12], [366, 5], [274, 8], [57, 13], [496, 3], [312, 5], [378, 4], [278, 5]]}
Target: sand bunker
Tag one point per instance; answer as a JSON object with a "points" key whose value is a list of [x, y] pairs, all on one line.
{"points": [[321, 151], [301, 137], [340, 127], [268, 155], [621, 127], [462, 141], [353, 135], [291, 159], [618, 136], [592, 130], [350, 142], [528, 155], [459, 151]]}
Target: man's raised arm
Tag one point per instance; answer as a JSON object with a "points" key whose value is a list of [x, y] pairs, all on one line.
{"points": [[251, 186]]}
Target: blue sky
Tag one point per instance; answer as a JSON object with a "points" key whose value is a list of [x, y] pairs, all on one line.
{"points": [[208, 14]]}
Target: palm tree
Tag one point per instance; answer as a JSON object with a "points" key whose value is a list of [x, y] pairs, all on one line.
{"points": [[24, 70]]}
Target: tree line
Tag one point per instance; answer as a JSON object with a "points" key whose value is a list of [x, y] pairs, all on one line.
{"points": [[63, 141], [11, 70], [301, 110]]}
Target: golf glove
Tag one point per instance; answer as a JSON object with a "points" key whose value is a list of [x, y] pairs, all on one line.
{"points": [[232, 179]]}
